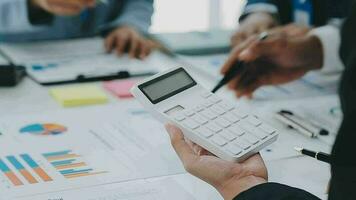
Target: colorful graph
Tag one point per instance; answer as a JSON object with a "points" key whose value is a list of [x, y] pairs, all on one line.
{"points": [[43, 129], [36, 168], [10, 174], [21, 169], [70, 165]]}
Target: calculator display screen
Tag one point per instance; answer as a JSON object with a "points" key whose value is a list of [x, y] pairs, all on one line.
{"points": [[168, 85]]}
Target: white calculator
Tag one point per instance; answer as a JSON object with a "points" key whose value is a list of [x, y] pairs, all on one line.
{"points": [[209, 121]]}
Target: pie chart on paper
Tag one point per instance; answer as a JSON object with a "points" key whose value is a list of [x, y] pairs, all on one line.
{"points": [[43, 129]]}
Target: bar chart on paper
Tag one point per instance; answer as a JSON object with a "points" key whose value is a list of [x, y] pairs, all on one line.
{"points": [[70, 164], [22, 170]]}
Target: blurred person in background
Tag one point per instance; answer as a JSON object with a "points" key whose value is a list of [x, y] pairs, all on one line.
{"points": [[123, 23], [322, 18]]}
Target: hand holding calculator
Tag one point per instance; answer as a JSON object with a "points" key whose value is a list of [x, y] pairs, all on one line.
{"points": [[217, 125]]}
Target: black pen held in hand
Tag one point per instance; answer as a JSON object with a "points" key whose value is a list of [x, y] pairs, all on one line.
{"points": [[235, 69]]}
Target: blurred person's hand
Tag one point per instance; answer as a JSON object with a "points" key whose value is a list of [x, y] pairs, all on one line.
{"points": [[229, 178], [127, 39], [253, 24], [286, 55], [63, 7]]}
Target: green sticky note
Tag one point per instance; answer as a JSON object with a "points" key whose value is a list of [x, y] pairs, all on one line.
{"points": [[79, 95]]}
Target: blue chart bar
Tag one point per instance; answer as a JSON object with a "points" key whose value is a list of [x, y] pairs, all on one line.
{"points": [[36, 168], [24, 172], [59, 153], [70, 164], [10, 174], [29, 160], [63, 162], [15, 162], [3, 167], [72, 171]]}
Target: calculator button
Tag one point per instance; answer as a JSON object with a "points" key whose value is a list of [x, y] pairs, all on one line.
{"points": [[189, 113], [218, 110], [260, 134], [200, 119], [254, 131], [214, 99], [226, 106], [208, 104], [254, 120], [268, 129], [190, 124], [209, 114], [205, 132], [223, 122], [231, 118], [236, 130], [247, 127], [199, 108], [213, 127], [250, 138], [242, 144], [206, 94], [179, 117], [227, 135], [239, 113], [235, 150], [218, 140]]}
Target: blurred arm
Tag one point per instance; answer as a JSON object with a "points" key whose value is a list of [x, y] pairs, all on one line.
{"points": [[15, 17], [136, 14]]}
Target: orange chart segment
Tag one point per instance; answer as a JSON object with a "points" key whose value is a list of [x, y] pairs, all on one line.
{"points": [[43, 129], [70, 165], [9, 174], [23, 171], [36, 168]]}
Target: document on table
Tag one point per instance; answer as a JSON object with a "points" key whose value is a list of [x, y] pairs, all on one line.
{"points": [[61, 60], [323, 111], [53, 50], [83, 147], [312, 84], [135, 190]]}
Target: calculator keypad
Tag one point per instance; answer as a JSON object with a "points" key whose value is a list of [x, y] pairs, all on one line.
{"points": [[224, 125]]}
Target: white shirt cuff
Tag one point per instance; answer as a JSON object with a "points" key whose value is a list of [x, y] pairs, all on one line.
{"points": [[260, 7], [330, 38]]}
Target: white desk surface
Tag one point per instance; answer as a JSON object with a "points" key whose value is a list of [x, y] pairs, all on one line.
{"points": [[302, 172]]}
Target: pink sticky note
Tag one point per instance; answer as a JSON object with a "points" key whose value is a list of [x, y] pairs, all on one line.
{"points": [[120, 88]]}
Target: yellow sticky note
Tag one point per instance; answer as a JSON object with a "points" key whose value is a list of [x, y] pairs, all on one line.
{"points": [[79, 95]]}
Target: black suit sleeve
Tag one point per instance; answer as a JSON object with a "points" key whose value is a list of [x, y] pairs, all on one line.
{"points": [[343, 169], [275, 191]]}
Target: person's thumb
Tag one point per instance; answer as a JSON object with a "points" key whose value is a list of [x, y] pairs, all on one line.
{"points": [[174, 133]]}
